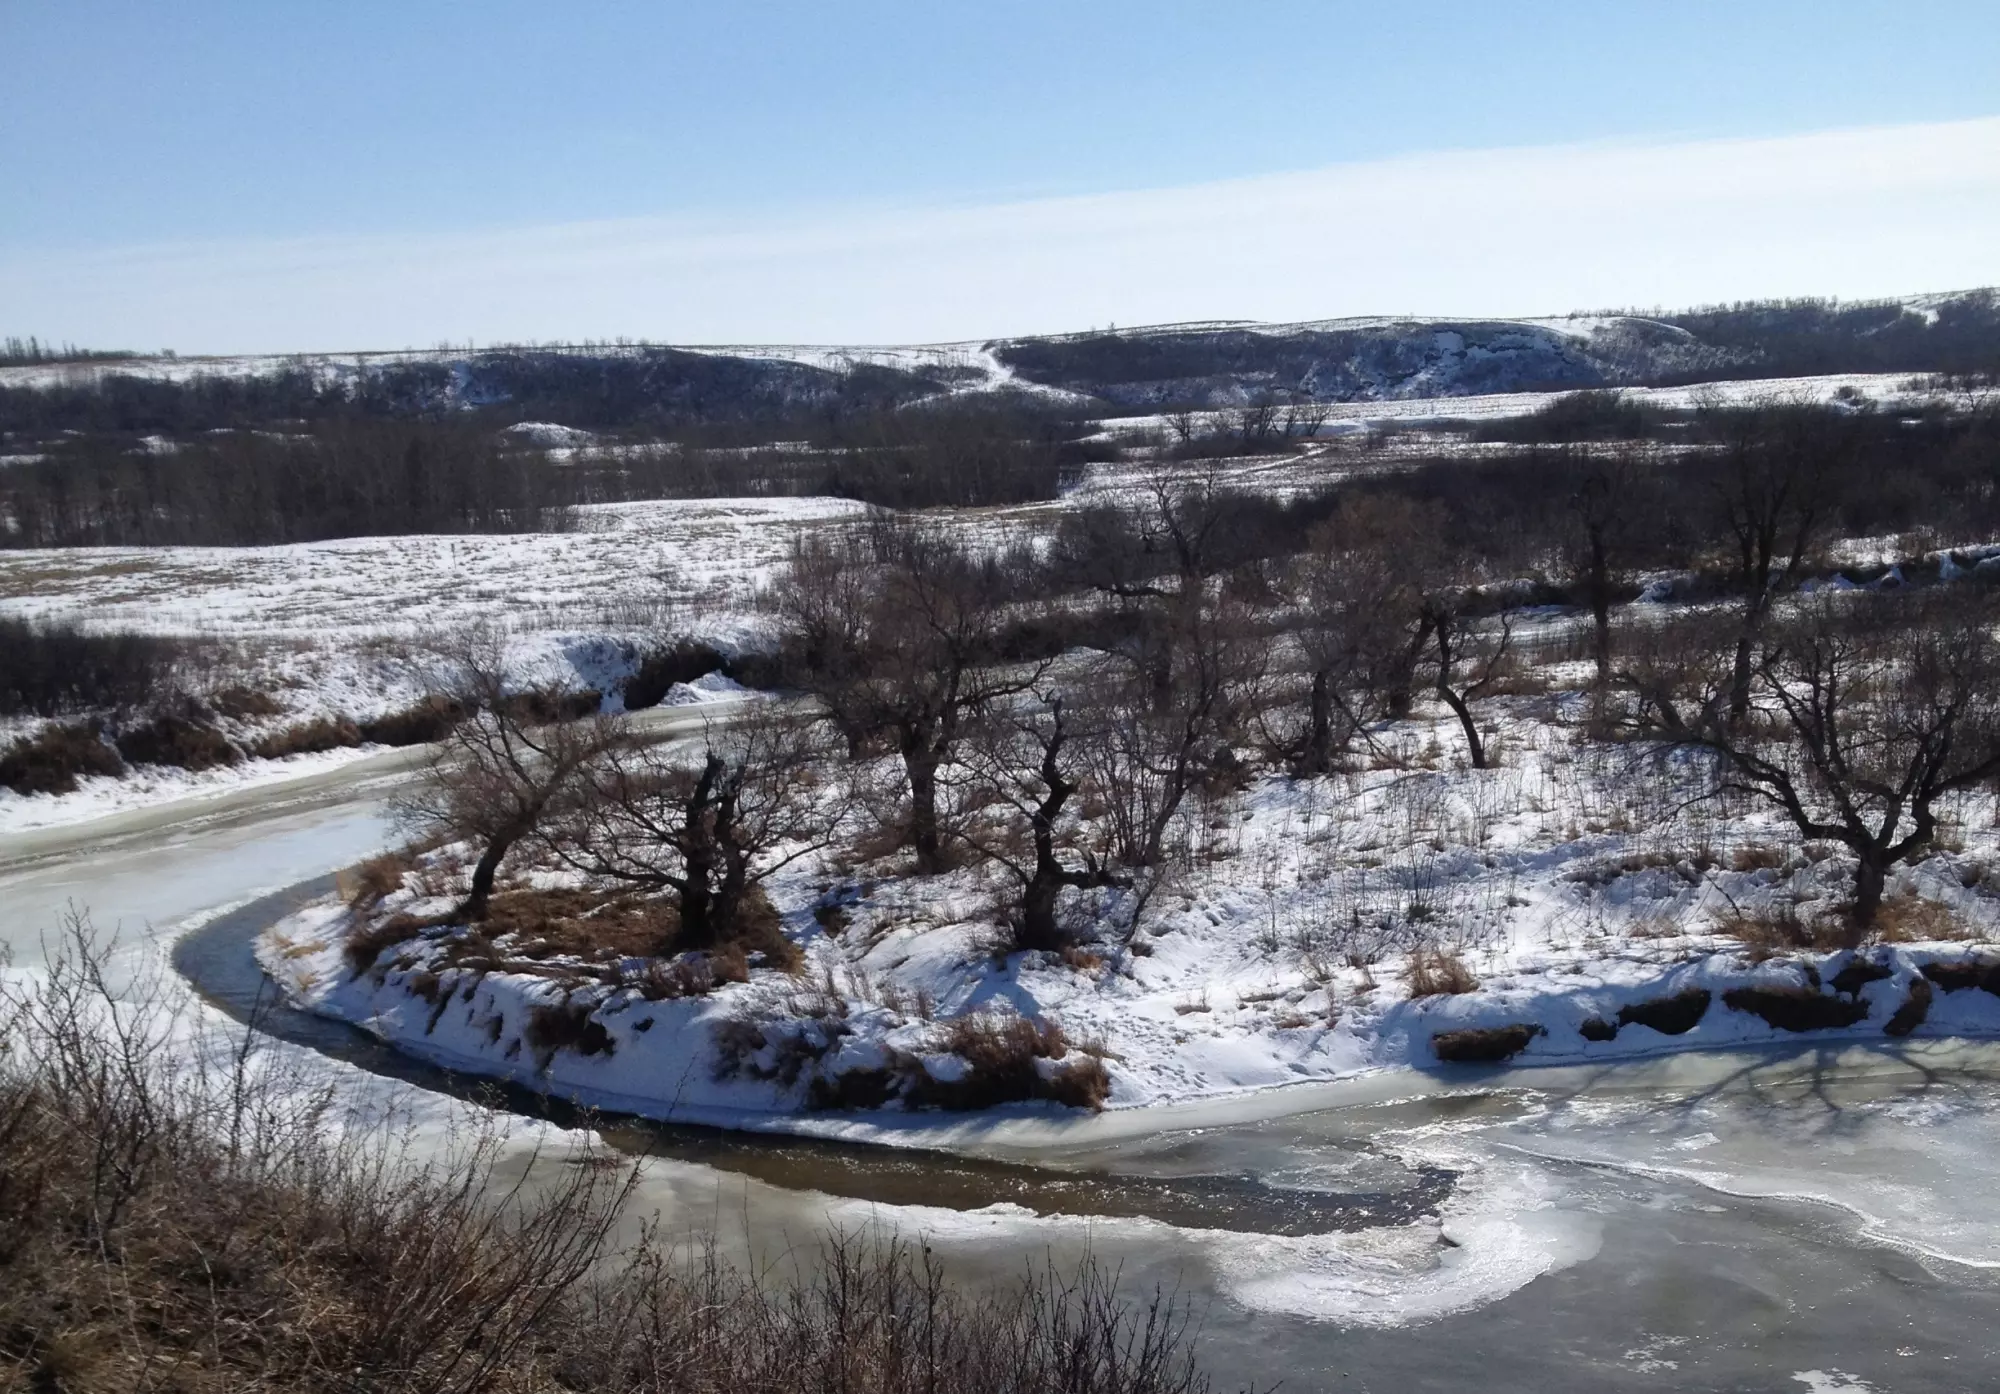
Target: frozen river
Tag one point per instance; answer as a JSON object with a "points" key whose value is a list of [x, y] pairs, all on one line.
{"points": [[1802, 1220]]}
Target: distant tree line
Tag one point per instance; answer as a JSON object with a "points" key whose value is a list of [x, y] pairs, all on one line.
{"points": [[654, 390], [18, 352], [341, 479], [1802, 337], [376, 475]]}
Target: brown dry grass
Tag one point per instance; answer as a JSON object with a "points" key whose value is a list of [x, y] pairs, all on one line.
{"points": [[1437, 973], [587, 925], [365, 944], [171, 1224], [1000, 1050], [240, 702], [1756, 856], [1912, 919], [365, 885], [1767, 931]]}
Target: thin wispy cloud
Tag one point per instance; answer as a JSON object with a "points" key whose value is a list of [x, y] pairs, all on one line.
{"points": [[1502, 232]]}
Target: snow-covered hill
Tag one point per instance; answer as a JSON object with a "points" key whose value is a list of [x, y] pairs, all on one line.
{"points": [[1123, 371]]}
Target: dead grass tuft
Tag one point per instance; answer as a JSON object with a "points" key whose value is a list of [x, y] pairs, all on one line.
{"points": [[1911, 919], [1767, 931], [1438, 973], [1003, 1052], [1756, 856], [568, 922], [692, 975], [366, 943], [365, 886]]}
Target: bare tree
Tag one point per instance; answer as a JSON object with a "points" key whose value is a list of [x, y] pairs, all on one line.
{"points": [[498, 775], [1169, 726], [903, 634], [1257, 423], [1356, 597], [709, 830], [1770, 498], [1028, 761], [1304, 419], [1863, 716], [1472, 658], [1610, 509]]}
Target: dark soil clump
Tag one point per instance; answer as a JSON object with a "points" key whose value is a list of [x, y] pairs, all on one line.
{"points": [[1915, 1008], [1485, 1045], [1673, 1015], [1796, 1008], [1857, 973], [1972, 972]]}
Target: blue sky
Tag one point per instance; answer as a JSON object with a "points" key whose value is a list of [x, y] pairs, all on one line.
{"points": [[275, 175]]}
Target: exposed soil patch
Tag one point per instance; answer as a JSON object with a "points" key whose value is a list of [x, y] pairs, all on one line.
{"points": [[1673, 1015], [1857, 973], [1972, 972], [1910, 1015], [569, 1025], [1485, 1045], [1796, 1008]]}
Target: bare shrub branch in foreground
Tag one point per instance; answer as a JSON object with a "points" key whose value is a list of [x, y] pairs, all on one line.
{"points": [[179, 1212]]}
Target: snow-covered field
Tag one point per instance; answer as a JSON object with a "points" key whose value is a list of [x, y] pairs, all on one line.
{"points": [[338, 630], [1351, 418], [624, 560]]}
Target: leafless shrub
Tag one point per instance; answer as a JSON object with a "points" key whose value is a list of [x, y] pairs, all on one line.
{"points": [[184, 739], [428, 720], [52, 762], [309, 738]]}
